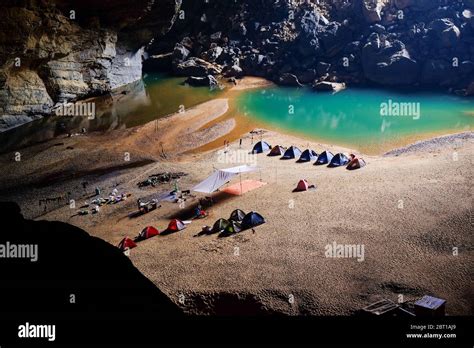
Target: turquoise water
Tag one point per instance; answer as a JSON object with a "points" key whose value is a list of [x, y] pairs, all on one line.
{"points": [[361, 118]]}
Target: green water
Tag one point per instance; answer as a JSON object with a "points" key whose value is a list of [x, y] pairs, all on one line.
{"points": [[358, 117], [138, 103]]}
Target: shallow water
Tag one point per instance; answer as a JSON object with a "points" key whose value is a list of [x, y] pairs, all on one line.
{"points": [[364, 119], [138, 103], [353, 117]]}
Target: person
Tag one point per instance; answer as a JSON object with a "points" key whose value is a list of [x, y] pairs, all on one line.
{"points": [[240, 143], [139, 203], [97, 191], [197, 211]]}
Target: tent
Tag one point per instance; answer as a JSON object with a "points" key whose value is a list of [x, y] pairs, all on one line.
{"points": [[220, 225], [339, 160], [324, 158], [176, 225], [220, 177], [127, 244], [356, 163], [237, 215], [277, 151], [233, 227], [146, 233], [252, 219], [292, 152], [302, 186], [308, 155], [261, 146]]}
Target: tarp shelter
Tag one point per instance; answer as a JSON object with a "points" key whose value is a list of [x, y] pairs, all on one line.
{"points": [[324, 157], [220, 225], [356, 163], [233, 227], [252, 219], [339, 160], [261, 146], [277, 151], [237, 215], [127, 244], [220, 177], [147, 232], [302, 186], [176, 225], [308, 155], [292, 152]]}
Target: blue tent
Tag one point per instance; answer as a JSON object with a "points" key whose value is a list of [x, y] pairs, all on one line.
{"points": [[339, 160], [308, 155], [252, 219], [292, 152], [324, 158], [261, 146]]}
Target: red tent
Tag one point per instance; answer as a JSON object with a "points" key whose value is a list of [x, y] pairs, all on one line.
{"points": [[148, 232], [126, 244], [176, 225], [302, 186]]}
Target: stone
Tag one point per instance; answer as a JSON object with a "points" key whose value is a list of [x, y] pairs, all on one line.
{"points": [[326, 86], [287, 79], [445, 31], [197, 67], [207, 81], [180, 53]]}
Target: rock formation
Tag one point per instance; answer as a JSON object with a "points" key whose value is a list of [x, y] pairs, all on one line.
{"points": [[56, 50]]}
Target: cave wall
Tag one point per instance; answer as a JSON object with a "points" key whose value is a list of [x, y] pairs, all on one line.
{"points": [[55, 50]]}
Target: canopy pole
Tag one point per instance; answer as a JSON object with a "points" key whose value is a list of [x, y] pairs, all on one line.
{"points": [[240, 175]]}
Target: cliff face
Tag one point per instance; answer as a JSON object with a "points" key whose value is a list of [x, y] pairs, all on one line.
{"points": [[56, 50]]}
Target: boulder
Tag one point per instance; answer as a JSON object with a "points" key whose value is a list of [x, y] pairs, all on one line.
{"points": [[197, 67], [213, 54], [437, 72], [445, 31], [307, 76], [159, 62], [287, 79], [388, 63], [335, 37], [234, 71], [206, 81], [180, 53], [372, 10], [470, 90], [323, 68], [326, 86]]}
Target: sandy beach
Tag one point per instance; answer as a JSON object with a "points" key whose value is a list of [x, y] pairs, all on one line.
{"points": [[409, 208]]}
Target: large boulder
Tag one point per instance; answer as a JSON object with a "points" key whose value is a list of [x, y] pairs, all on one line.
{"points": [[388, 63], [326, 86], [65, 58], [372, 10], [287, 79], [206, 81], [445, 31], [335, 37], [180, 53], [437, 72], [197, 67]]}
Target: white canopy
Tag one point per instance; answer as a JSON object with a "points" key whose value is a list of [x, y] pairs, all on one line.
{"points": [[220, 177]]}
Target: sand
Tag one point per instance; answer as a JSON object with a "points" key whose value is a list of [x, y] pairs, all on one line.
{"points": [[409, 209]]}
